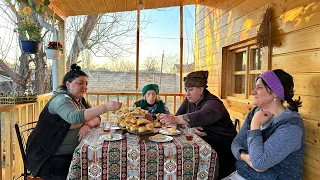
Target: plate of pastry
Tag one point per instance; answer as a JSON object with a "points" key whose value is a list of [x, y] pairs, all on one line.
{"points": [[142, 127], [111, 137], [160, 138], [170, 131]]}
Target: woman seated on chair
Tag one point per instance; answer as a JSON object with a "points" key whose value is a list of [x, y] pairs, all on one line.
{"points": [[151, 101], [271, 142], [206, 113], [63, 122]]}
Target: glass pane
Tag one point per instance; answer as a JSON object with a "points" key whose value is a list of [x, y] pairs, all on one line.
{"points": [[239, 84], [240, 61], [109, 55], [160, 49], [188, 43], [256, 59]]}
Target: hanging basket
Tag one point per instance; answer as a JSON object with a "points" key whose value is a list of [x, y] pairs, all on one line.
{"points": [[53, 53], [30, 47]]}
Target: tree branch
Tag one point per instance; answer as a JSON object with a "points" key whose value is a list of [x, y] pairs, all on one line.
{"points": [[14, 76]]}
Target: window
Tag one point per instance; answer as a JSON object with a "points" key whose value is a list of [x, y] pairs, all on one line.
{"points": [[242, 64]]}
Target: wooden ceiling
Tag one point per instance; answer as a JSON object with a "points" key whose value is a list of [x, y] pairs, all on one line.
{"points": [[65, 8]]}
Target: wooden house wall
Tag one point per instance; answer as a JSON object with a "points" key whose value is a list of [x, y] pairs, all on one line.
{"points": [[222, 23]]}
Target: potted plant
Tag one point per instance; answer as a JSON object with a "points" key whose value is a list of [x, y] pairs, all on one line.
{"points": [[54, 50], [29, 31]]}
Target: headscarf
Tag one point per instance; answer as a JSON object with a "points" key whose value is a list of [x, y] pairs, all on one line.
{"points": [[196, 79], [148, 87]]}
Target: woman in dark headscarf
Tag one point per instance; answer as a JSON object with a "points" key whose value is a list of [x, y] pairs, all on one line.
{"points": [[210, 119]]}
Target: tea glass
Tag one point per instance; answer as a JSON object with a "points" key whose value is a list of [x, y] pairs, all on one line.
{"points": [[107, 127], [189, 134]]}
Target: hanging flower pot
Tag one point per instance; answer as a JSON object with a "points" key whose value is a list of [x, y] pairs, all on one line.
{"points": [[30, 47], [54, 50], [53, 53]]}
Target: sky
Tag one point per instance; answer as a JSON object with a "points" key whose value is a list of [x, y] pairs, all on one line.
{"points": [[162, 35], [159, 36]]}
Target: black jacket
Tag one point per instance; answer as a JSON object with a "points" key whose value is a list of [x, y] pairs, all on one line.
{"points": [[210, 114]]}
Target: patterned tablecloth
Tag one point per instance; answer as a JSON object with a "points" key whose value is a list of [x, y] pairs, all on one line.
{"points": [[133, 159]]}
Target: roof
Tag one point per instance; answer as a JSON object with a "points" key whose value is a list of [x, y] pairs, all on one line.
{"points": [[185, 68], [65, 8]]}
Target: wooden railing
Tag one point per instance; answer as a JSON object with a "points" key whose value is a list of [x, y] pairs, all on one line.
{"points": [[24, 113], [12, 164]]}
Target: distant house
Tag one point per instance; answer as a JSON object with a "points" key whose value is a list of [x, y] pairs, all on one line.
{"points": [[102, 69], [186, 69]]}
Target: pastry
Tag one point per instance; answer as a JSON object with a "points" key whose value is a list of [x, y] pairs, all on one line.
{"points": [[157, 124], [158, 116], [134, 128], [110, 136], [171, 131], [142, 129], [142, 122], [149, 126], [133, 121], [123, 124], [159, 136]]}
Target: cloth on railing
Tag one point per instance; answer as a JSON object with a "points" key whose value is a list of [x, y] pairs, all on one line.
{"points": [[131, 158]]}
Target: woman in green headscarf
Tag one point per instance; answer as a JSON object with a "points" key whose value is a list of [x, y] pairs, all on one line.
{"points": [[150, 101]]}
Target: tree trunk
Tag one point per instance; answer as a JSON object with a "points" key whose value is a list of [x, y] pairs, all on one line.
{"points": [[24, 69], [84, 34], [40, 73]]}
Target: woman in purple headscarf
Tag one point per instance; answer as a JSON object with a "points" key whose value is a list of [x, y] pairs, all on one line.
{"points": [[270, 144]]}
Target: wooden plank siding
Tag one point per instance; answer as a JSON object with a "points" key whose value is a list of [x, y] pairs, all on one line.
{"points": [[222, 23]]}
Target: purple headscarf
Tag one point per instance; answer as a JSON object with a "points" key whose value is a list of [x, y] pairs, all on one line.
{"points": [[273, 82]]}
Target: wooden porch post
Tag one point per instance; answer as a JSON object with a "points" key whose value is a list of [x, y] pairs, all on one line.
{"points": [[137, 49], [181, 46], [62, 60]]}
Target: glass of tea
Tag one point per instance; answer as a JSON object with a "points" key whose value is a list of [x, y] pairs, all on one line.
{"points": [[189, 134], [107, 128]]}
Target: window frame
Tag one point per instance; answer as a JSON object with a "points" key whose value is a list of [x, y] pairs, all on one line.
{"points": [[229, 73]]}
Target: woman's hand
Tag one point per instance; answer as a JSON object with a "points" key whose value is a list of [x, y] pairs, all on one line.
{"points": [[260, 118], [83, 131], [198, 131], [246, 158], [168, 119], [113, 105]]}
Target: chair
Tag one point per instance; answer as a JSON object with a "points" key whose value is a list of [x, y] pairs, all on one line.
{"points": [[23, 131], [236, 123]]}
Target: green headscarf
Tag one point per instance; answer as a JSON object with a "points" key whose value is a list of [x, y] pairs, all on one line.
{"points": [[148, 87]]}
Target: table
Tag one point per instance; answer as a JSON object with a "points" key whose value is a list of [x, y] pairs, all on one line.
{"points": [[134, 159]]}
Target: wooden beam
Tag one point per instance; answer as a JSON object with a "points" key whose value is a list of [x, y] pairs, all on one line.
{"points": [[181, 47], [137, 49], [62, 61]]}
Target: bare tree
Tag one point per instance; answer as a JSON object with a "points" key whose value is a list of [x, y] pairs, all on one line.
{"points": [[106, 35], [25, 63], [121, 65], [153, 63], [85, 60], [81, 34]]}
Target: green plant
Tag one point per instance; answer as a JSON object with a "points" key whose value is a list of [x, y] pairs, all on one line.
{"points": [[27, 29]]}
